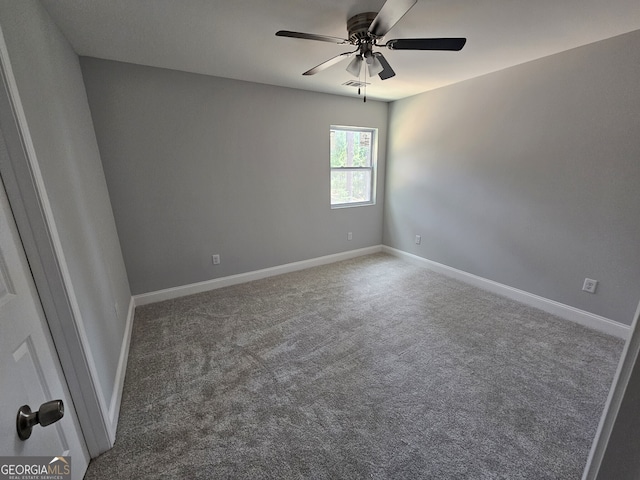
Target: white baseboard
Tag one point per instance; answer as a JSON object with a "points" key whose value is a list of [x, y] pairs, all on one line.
{"points": [[176, 292], [116, 397], [567, 312]]}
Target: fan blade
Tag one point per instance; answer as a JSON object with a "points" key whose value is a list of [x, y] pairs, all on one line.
{"points": [[311, 36], [328, 63], [388, 71], [454, 44], [388, 16]]}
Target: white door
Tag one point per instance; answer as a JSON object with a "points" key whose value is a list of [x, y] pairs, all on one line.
{"points": [[30, 372]]}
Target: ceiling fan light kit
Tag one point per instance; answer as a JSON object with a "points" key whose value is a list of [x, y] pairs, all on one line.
{"points": [[373, 65], [354, 66], [365, 30]]}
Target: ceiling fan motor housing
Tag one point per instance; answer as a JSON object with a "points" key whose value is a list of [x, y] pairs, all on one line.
{"points": [[358, 27]]}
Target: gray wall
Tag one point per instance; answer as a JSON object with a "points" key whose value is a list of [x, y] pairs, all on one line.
{"points": [[528, 176], [50, 84], [199, 165]]}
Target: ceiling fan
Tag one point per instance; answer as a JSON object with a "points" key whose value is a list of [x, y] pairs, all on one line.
{"points": [[365, 31]]}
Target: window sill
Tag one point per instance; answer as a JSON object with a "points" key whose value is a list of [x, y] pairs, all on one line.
{"points": [[351, 205]]}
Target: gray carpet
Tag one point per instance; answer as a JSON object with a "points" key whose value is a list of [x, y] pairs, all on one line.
{"points": [[367, 368]]}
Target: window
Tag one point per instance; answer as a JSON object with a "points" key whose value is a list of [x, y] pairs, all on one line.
{"points": [[353, 160]]}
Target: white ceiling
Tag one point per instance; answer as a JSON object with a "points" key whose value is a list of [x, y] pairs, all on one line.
{"points": [[236, 38]]}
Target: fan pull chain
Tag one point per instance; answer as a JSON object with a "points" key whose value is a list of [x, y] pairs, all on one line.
{"points": [[365, 80], [360, 79]]}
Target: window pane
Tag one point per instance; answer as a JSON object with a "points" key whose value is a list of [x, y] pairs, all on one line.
{"points": [[350, 187], [350, 148]]}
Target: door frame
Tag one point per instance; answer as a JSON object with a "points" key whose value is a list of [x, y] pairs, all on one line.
{"points": [[35, 221], [613, 414]]}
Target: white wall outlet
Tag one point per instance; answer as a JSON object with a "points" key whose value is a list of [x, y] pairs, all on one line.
{"points": [[589, 285], [350, 236], [216, 259], [418, 239]]}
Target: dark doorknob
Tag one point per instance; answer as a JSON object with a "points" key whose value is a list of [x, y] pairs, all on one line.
{"points": [[48, 413]]}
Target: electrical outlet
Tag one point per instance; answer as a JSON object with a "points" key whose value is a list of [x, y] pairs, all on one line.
{"points": [[589, 285], [418, 239], [349, 236], [216, 259]]}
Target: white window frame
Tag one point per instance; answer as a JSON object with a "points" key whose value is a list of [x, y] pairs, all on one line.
{"points": [[372, 168]]}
